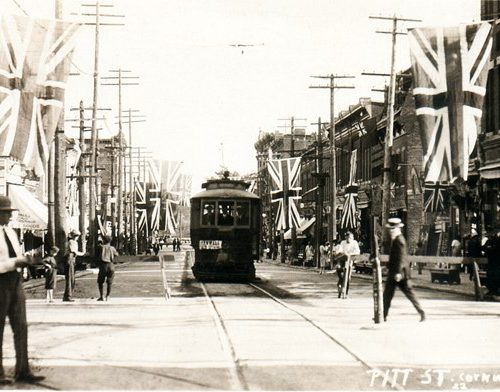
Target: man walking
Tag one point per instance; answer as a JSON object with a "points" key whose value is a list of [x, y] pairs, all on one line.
{"points": [[12, 299], [399, 269]]}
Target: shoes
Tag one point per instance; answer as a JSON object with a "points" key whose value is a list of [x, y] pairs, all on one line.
{"points": [[6, 381], [422, 316], [100, 299], [29, 378], [68, 300], [107, 298]]}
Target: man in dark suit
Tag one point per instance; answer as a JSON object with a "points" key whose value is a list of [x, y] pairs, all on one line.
{"points": [[12, 299], [399, 269]]}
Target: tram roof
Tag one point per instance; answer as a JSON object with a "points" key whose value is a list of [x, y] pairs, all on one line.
{"points": [[224, 193]]}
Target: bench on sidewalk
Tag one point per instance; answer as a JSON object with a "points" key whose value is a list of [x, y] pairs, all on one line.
{"points": [[445, 275]]}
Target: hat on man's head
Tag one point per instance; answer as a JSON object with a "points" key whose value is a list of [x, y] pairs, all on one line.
{"points": [[393, 223], [54, 249], [74, 233], [6, 204]]}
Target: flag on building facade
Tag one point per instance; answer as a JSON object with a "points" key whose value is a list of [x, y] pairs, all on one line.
{"points": [[285, 191], [34, 66], [449, 68], [435, 196], [349, 212], [186, 185]]}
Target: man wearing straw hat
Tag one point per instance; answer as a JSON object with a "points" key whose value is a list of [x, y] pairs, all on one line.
{"points": [[12, 299], [69, 267], [399, 269]]}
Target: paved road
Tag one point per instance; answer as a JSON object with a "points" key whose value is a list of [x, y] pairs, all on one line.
{"points": [[287, 332]]}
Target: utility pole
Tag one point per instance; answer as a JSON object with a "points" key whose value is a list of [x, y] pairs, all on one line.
{"points": [[320, 180], [332, 222], [119, 199], [93, 161], [132, 118], [386, 184], [292, 155], [59, 183], [82, 167]]}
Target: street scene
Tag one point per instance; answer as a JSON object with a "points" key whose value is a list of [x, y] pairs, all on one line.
{"points": [[249, 195], [284, 331]]}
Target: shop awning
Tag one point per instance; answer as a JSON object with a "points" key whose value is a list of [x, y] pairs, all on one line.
{"points": [[491, 171], [32, 214]]}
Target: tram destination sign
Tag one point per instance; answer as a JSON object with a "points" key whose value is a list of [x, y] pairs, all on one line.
{"points": [[210, 244]]}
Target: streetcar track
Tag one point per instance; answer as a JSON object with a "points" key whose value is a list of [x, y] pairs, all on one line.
{"points": [[322, 330]]}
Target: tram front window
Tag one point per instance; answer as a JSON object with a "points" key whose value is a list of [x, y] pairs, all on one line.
{"points": [[226, 213], [242, 214], [208, 214]]}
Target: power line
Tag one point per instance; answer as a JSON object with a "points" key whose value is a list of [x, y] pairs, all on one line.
{"points": [[19, 6]]}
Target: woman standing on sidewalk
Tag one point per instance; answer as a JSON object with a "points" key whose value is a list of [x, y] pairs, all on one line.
{"points": [[323, 257]]}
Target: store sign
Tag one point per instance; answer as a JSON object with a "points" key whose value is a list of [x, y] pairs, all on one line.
{"points": [[210, 244]]}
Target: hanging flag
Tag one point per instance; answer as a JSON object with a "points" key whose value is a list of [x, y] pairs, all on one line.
{"points": [[34, 65], [171, 193], [285, 191], [449, 68], [140, 205], [349, 212], [153, 201], [170, 217], [435, 196], [187, 184]]}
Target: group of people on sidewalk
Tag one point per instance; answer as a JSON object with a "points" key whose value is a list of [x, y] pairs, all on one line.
{"points": [[12, 297]]}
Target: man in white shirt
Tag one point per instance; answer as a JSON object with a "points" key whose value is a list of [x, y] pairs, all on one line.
{"points": [[12, 299], [69, 267]]}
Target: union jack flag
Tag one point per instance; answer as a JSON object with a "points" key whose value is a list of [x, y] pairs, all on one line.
{"points": [[34, 66], [285, 191], [141, 207], [435, 196], [348, 219], [186, 185], [153, 193], [449, 71], [171, 193]]}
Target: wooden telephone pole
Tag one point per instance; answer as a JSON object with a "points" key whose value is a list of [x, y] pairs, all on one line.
{"points": [[119, 79], [132, 118], [386, 184], [332, 222], [93, 161]]}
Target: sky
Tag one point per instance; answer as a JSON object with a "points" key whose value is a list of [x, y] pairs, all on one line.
{"points": [[206, 101]]}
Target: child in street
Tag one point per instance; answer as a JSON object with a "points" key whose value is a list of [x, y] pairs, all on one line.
{"points": [[50, 272]]}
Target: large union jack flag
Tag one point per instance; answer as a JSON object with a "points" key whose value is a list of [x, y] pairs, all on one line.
{"points": [[34, 66], [435, 196], [285, 191], [348, 219], [449, 71]]}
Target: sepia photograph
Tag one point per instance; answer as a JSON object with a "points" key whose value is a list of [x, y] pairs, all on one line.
{"points": [[249, 195]]}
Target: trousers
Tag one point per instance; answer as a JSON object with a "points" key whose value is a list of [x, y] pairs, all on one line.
{"points": [[69, 275], [13, 305], [405, 286]]}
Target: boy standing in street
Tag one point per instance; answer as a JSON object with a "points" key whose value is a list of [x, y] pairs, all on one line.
{"points": [[106, 268]]}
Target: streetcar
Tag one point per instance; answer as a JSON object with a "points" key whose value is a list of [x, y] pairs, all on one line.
{"points": [[225, 229]]}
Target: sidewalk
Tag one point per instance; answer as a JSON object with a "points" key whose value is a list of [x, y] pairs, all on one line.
{"points": [[423, 281]]}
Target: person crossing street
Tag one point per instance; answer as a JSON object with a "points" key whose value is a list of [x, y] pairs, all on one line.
{"points": [[399, 269]]}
